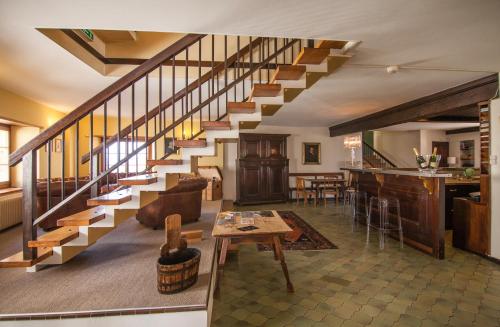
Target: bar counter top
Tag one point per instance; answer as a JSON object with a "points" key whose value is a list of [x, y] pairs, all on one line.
{"points": [[402, 172]]}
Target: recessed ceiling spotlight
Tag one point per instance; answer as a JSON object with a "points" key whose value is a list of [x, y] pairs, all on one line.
{"points": [[392, 69]]}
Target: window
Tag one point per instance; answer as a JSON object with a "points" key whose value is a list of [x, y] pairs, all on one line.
{"points": [[4, 156], [136, 163]]}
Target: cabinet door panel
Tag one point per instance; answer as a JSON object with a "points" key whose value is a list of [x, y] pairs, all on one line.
{"points": [[277, 181], [251, 182]]}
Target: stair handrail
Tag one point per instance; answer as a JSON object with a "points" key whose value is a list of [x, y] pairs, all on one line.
{"points": [[384, 158], [179, 95], [101, 97], [153, 139]]}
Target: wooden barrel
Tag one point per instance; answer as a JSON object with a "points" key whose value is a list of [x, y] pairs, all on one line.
{"points": [[179, 271]]}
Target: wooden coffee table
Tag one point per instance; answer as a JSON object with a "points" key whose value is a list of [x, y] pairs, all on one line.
{"points": [[270, 229]]}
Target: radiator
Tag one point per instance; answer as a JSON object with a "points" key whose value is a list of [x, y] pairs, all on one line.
{"points": [[11, 210]]}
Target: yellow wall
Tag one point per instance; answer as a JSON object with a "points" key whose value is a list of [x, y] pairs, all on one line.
{"points": [[22, 110]]}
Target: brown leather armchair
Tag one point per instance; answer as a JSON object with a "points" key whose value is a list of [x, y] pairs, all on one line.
{"points": [[184, 199]]}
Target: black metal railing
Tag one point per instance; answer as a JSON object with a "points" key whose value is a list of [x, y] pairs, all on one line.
{"points": [[138, 115], [374, 158]]}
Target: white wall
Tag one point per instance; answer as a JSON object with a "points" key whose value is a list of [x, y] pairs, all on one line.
{"points": [[454, 140], [397, 146], [495, 178], [427, 136], [333, 153]]}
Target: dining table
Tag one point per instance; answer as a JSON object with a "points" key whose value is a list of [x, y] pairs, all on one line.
{"points": [[318, 184]]}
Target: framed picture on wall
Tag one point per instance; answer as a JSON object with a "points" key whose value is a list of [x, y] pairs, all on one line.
{"points": [[467, 153], [311, 153]]}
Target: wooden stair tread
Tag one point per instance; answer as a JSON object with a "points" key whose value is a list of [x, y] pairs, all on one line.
{"points": [[56, 237], [113, 198], [331, 44], [164, 162], [83, 218], [216, 125], [138, 180], [289, 72], [311, 56], [241, 107], [265, 90], [17, 261], [190, 143]]}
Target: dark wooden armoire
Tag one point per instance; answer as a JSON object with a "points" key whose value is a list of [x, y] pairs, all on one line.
{"points": [[261, 169]]}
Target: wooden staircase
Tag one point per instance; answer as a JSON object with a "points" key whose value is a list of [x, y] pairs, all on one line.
{"points": [[79, 231]]}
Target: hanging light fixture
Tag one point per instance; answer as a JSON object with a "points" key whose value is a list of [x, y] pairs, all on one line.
{"points": [[352, 143]]}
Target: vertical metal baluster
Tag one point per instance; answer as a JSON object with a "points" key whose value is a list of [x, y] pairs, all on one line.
{"points": [[199, 82], [173, 98], [91, 145], [77, 154], [225, 67], [63, 162], [161, 111], [105, 143], [276, 50], [126, 137], [293, 46], [182, 115], [235, 65], [119, 136], [132, 130], [218, 98], [186, 90], [260, 59], [241, 66], [212, 74], [191, 111], [284, 52], [147, 115], [251, 62], [49, 159], [268, 54], [154, 134]]}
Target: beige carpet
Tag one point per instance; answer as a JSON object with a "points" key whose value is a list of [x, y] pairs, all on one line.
{"points": [[118, 272]]}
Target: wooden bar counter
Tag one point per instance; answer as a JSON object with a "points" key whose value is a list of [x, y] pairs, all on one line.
{"points": [[422, 202]]}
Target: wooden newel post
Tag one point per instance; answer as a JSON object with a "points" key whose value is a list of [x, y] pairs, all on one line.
{"points": [[29, 203]]}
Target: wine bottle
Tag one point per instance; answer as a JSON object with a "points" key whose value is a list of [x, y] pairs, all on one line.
{"points": [[433, 159], [420, 159]]}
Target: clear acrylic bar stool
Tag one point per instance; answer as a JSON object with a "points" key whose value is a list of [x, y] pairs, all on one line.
{"points": [[384, 227], [354, 198]]}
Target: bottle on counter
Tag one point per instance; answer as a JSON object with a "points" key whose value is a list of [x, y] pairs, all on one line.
{"points": [[420, 159], [433, 160]]}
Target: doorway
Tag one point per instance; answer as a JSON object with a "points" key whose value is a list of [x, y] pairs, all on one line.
{"points": [[443, 148]]}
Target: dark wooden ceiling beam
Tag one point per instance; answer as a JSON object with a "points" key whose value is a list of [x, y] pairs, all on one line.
{"points": [[463, 130], [450, 119], [466, 94]]}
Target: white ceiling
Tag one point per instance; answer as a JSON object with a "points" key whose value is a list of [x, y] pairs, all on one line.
{"points": [[457, 39]]}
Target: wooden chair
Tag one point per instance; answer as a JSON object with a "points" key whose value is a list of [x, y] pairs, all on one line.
{"points": [[331, 189], [300, 185]]}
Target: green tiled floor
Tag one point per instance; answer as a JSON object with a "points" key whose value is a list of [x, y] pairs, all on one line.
{"points": [[356, 285]]}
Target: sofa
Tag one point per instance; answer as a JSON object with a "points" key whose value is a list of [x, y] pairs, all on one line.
{"points": [[184, 199]]}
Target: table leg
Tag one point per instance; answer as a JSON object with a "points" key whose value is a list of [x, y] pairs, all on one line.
{"points": [[223, 251], [274, 250], [281, 256]]}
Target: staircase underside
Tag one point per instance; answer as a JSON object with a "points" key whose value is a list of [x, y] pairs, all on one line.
{"points": [[77, 232]]}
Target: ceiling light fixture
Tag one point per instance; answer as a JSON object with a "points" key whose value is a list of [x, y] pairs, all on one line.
{"points": [[392, 69]]}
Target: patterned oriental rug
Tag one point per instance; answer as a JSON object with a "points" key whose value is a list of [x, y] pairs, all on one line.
{"points": [[303, 237]]}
